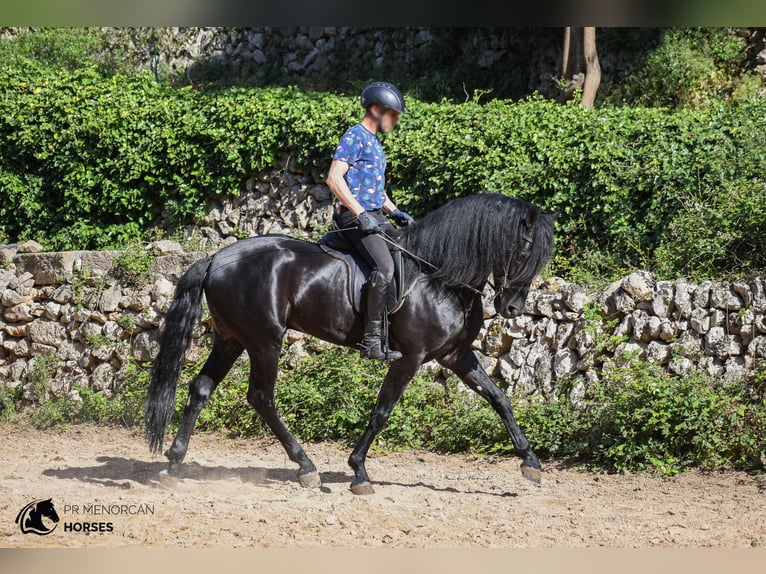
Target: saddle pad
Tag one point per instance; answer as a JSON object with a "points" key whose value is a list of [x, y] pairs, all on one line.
{"points": [[359, 272]]}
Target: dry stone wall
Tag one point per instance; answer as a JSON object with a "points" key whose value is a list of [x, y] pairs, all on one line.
{"points": [[567, 333], [67, 305], [336, 56]]}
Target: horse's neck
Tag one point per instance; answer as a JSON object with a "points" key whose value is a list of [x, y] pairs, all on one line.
{"points": [[35, 517]]}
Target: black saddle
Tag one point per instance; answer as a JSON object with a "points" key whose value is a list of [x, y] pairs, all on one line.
{"points": [[334, 244]]}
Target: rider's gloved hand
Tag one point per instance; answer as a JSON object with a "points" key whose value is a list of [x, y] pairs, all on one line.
{"points": [[402, 218], [368, 223]]}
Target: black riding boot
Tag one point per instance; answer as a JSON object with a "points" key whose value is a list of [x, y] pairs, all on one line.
{"points": [[372, 342]]}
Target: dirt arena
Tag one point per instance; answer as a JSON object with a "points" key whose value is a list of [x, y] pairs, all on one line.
{"points": [[244, 493]]}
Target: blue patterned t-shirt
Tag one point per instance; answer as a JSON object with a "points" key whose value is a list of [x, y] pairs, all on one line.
{"points": [[363, 153]]}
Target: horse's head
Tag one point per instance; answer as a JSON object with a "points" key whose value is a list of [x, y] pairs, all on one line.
{"points": [[535, 243], [45, 508], [509, 300]]}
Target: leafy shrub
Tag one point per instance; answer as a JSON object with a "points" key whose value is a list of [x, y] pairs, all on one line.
{"points": [[689, 68], [47, 50], [40, 373], [716, 230], [123, 408], [133, 266], [618, 176], [88, 161], [644, 417], [639, 417], [9, 397]]}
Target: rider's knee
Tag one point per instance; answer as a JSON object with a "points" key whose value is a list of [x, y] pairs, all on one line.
{"points": [[386, 272]]}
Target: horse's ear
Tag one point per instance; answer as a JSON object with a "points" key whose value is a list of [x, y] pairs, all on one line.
{"points": [[531, 219], [555, 215]]}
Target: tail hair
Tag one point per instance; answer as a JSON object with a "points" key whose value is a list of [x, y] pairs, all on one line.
{"points": [[175, 336]]}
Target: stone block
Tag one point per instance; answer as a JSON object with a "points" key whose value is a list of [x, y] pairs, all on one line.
{"points": [[722, 296], [47, 332], [639, 285]]}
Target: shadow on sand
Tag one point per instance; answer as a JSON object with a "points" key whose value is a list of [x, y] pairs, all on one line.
{"points": [[118, 472]]}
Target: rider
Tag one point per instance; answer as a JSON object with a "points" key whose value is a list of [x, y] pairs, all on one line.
{"points": [[357, 179]]}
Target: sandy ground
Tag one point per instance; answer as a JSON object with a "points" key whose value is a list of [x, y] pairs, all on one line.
{"points": [[244, 493]]}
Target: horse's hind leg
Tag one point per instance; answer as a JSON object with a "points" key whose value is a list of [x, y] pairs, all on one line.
{"points": [[260, 394], [222, 357]]}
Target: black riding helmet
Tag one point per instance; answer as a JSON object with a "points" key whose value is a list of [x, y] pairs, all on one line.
{"points": [[384, 94]]}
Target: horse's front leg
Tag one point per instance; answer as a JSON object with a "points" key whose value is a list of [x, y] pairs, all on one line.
{"points": [[399, 375], [467, 367]]}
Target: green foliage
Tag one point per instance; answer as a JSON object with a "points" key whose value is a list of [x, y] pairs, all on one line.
{"points": [[639, 418], [91, 161], [42, 370], [329, 395], [97, 341], [9, 397], [49, 411], [644, 417], [717, 229], [618, 176], [64, 49], [123, 408], [689, 68], [126, 321], [132, 267], [602, 330]]}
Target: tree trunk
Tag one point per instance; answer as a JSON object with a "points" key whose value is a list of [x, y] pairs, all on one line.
{"points": [[566, 60], [571, 63], [592, 68]]}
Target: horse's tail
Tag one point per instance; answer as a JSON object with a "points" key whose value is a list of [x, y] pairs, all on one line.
{"points": [[175, 337]]}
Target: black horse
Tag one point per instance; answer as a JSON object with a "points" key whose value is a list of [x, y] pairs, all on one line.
{"points": [[259, 287]]}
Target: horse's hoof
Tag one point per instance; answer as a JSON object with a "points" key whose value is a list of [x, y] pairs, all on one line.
{"points": [[531, 473], [362, 488], [310, 479], [167, 479], [174, 468]]}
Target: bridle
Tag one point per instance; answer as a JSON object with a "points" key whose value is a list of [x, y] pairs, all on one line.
{"points": [[520, 257]]}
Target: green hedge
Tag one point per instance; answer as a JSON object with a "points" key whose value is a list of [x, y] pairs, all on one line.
{"points": [[88, 161]]}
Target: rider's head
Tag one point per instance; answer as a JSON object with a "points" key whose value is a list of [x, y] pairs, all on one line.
{"points": [[383, 102]]}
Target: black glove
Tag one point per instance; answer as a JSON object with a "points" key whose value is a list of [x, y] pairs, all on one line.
{"points": [[368, 223], [402, 218]]}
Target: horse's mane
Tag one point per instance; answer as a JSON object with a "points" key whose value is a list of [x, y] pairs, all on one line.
{"points": [[471, 237]]}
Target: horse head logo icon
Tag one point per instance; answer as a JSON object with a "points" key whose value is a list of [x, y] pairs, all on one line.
{"points": [[30, 519]]}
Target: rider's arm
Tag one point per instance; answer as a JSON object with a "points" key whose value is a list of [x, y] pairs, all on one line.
{"points": [[389, 206], [339, 187]]}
